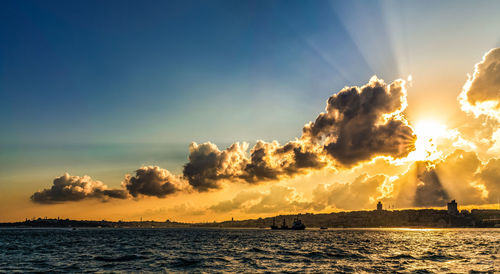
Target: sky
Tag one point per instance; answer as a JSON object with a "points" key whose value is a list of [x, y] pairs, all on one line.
{"points": [[101, 101]]}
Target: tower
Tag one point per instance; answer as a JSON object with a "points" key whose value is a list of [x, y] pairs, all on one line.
{"points": [[452, 208]]}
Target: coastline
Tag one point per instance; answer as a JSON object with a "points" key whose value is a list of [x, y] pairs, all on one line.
{"points": [[409, 219]]}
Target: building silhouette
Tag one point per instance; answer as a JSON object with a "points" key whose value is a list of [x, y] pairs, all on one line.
{"points": [[452, 208], [379, 206]]}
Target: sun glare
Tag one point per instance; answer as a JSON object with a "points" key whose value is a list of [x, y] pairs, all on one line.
{"points": [[427, 133]]}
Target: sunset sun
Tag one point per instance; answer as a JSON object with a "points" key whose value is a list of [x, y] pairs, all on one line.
{"points": [[427, 132]]}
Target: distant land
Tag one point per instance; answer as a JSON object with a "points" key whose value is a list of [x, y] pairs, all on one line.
{"points": [[421, 218]]}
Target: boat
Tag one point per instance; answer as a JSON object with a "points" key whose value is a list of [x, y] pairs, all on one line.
{"points": [[323, 227], [298, 225]]}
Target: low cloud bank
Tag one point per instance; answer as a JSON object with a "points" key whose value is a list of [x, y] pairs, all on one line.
{"points": [[147, 181], [75, 188], [363, 192], [278, 198], [460, 175]]}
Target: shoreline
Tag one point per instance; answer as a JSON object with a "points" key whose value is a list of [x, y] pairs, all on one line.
{"points": [[418, 219]]}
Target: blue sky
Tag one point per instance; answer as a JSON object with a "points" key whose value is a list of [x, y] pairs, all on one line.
{"points": [[176, 71], [120, 71], [102, 87]]}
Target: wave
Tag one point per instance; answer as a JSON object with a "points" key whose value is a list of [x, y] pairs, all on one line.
{"points": [[123, 258]]}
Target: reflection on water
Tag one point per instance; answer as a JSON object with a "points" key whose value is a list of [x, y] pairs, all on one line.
{"points": [[249, 250]]}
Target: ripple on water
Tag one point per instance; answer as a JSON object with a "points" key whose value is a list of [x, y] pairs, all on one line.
{"points": [[438, 257], [185, 263], [123, 258], [402, 257]]}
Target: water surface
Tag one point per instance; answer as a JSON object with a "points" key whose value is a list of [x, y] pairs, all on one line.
{"points": [[250, 250]]}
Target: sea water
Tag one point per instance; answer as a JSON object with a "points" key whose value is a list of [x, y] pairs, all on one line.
{"points": [[249, 250]]}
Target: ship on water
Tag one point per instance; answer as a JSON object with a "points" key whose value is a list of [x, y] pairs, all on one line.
{"points": [[297, 225]]}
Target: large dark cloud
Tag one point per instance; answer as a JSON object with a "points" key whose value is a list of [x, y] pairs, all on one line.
{"points": [[361, 123], [74, 188], [152, 181]]}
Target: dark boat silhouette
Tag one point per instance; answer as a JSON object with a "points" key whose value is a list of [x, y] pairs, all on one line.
{"points": [[297, 225], [323, 227]]}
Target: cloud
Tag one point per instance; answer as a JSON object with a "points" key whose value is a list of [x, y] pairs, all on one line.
{"points": [[147, 181], [268, 161], [489, 176], [152, 181], [480, 96], [278, 198], [362, 193], [208, 165], [429, 191], [358, 125], [456, 173], [237, 202], [481, 93], [74, 188], [460, 175], [178, 210], [361, 123]]}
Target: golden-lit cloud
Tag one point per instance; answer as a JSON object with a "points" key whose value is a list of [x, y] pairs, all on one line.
{"points": [[363, 122], [481, 93], [363, 192], [208, 166], [277, 199], [489, 177]]}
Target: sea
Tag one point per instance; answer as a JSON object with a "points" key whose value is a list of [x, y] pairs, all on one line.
{"points": [[250, 250]]}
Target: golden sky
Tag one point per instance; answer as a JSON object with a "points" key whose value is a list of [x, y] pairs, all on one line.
{"points": [[362, 149]]}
